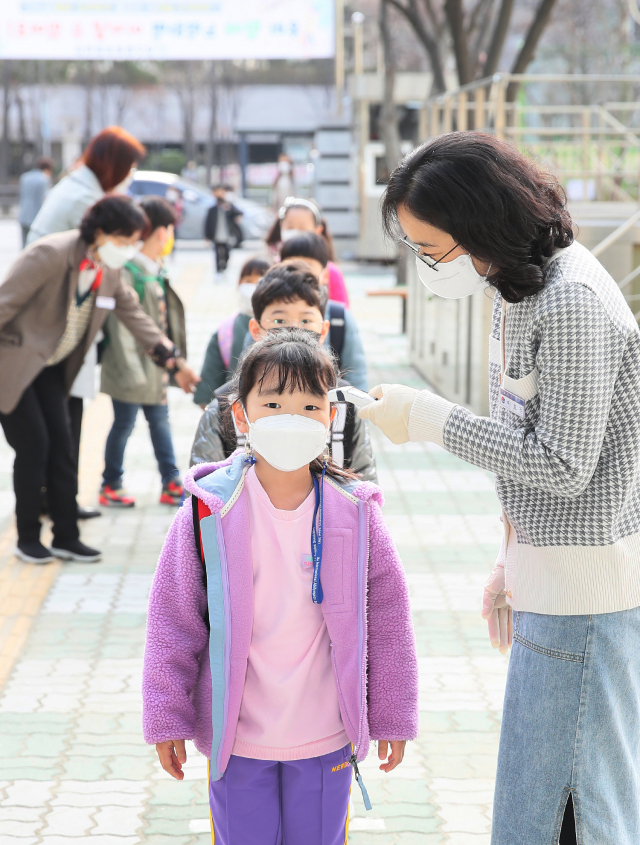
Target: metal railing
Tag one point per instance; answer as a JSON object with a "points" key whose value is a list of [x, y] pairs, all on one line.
{"points": [[585, 128]]}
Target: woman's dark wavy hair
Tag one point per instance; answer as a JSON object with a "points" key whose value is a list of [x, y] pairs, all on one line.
{"points": [[293, 360], [496, 203], [115, 214]]}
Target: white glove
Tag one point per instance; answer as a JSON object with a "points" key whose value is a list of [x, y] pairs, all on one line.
{"points": [[495, 608], [391, 413]]}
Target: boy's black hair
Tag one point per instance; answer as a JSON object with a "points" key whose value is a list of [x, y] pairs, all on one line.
{"points": [[306, 245], [114, 215], [287, 283], [159, 211], [254, 266]]}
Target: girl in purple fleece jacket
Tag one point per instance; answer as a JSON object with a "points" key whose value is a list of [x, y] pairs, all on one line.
{"points": [[279, 634]]}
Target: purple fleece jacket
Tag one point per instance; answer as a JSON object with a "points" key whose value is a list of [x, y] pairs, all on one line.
{"points": [[177, 680]]}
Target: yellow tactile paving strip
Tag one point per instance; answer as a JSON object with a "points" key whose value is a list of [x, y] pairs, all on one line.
{"points": [[24, 586]]}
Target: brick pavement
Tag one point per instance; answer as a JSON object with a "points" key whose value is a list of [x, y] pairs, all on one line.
{"points": [[75, 769]]}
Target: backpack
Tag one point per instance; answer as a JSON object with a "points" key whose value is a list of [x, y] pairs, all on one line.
{"points": [[225, 339], [337, 328]]}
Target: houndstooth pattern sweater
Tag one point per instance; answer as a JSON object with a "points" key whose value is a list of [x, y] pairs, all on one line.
{"points": [[568, 475]]}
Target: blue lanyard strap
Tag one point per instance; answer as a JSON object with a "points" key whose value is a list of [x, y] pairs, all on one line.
{"points": [[316, 539]]}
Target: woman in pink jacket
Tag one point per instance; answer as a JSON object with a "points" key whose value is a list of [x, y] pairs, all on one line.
{"points": [[279, 635]]}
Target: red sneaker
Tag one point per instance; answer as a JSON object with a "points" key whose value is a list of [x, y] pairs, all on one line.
{"points": [[172, 493], [110, 497]]}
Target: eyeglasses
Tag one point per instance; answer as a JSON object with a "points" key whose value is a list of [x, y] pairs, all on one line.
{"points": [[425, 258], [281, 323]]}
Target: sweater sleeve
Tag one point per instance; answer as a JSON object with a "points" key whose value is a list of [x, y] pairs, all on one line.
{"points": [[176, 635], [578, 360], [392, 659]]}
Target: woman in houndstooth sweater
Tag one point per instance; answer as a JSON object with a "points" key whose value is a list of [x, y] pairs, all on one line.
{"points": [[563, 439]]}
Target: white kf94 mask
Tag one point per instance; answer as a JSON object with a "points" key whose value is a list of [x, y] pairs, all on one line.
{"points": [[116, 256], [452, 279], [287, 441]]}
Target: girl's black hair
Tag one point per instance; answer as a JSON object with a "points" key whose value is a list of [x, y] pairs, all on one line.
{"points": [[306, 245], [274, 235], [114, 215], [493, 201], [288, 283], [295, 361], [254, 266]]}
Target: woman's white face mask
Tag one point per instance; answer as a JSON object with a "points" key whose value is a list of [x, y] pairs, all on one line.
{"points": [[115, 256], [453, 279], [287, 441]]}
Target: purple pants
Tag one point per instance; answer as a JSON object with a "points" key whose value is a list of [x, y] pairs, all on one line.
{"points": [[298, 802]]}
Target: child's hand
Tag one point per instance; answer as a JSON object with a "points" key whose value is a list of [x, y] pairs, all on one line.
{"points": [[396, 756], [172, 756]]}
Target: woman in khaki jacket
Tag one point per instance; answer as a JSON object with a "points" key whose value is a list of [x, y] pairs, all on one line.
{"points": [[53, 301]]}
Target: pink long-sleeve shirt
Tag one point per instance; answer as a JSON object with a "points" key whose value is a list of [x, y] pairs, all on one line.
{"points": [[290, 708]]}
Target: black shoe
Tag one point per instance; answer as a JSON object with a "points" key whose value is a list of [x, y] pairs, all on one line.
{"points": [[33, 552], [88, 513], [75, 550]]}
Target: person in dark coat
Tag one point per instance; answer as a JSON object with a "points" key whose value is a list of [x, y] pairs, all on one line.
{"points": [[221, 227]]}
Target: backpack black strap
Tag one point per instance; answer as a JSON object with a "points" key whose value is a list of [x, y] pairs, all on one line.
{"points": [[195, 510], [337, 328]]}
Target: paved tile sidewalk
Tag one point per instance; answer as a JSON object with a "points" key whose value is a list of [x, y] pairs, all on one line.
{"points": [[75, 768]]}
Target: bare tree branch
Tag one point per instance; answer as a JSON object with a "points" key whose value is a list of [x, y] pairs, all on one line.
{"points": [[455, 18], [498, 37], [528, 50], [429, 43], [477, 14], [436, 23]]}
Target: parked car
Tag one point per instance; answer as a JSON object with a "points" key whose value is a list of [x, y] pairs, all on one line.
{"points": [[255, 222]]}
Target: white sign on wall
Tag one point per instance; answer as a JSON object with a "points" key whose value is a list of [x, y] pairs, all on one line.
{"points": [[167, 29]]}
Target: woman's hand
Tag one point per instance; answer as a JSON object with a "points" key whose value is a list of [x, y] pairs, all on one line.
{"points": [[172, 755], [397, 753], [391, 413], [496, 610]]}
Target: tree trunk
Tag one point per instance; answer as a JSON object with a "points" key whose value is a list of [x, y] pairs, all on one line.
{"points": [[88, 114], [455, 18], [528, 51], [213, 119], [389, 129], [6, 103], [429, 43], [498, 38], [22, 133]]}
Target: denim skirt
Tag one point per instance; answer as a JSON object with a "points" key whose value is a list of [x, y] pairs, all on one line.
{"points": [[571, 726]]}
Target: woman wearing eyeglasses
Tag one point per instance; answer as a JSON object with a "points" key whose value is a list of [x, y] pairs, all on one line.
{"points": [[563, 439]]}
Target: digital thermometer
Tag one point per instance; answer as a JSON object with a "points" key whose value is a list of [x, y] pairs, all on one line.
{"points": [[351, 394]]}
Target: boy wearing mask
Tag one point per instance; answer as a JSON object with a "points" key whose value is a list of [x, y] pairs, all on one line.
{"points": [[288, 295], [227, 342], [130, 377]]}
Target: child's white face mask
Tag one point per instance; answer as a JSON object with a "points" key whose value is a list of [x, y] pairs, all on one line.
{"points": [[245, 292], [287, 441]]}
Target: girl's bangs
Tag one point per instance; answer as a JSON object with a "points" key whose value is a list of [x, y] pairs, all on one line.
{"points": [[288, 373]]}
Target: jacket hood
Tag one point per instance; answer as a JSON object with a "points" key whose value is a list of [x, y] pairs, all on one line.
{"points": [[215, 483]]}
